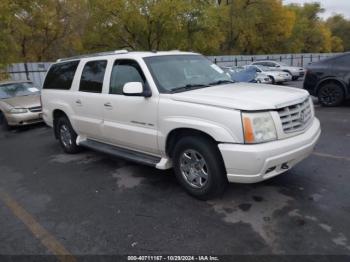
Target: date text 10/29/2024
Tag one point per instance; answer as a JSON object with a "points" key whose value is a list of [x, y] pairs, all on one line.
{"points": [[173, 258]]}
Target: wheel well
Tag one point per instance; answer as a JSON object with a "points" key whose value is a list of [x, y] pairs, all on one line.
{"points": [[176, 134], [328, 81], [57, 113]]}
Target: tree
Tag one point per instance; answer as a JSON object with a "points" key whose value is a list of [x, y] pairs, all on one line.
{"points": [[45, 29], [152, 25], [249, 30], [340, 28], [7, 43], [310, 33]]}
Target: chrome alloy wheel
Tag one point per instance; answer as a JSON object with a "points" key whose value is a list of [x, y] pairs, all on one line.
{"points": [[65, 136], [194, 168]]}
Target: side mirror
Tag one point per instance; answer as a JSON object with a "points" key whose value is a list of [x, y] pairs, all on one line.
{"points": [[135, 89]]}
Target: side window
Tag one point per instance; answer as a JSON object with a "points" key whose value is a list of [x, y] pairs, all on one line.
{"points": [[60, 76], [343, 61], [271, 64], [92, 76], [125, 71]]}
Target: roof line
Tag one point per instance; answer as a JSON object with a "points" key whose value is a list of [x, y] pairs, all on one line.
{"points": [[115, 52]]}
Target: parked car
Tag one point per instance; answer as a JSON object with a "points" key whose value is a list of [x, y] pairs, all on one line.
{"points": [[178, 109], [296, 72], [19, 104], [248, 75], [329, 80], [276, 76]]}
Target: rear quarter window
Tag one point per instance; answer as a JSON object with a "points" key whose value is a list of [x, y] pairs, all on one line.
{"points": [[60, 76], [343, 61]]}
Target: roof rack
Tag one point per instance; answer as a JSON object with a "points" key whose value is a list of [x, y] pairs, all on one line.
{"points": [[115, 52]]}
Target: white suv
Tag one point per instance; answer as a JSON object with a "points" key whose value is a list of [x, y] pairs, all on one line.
{"points": [[177, 109]]}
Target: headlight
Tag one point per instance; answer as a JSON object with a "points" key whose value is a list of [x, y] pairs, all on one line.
{"points": [[18, 110], [258, 127]]}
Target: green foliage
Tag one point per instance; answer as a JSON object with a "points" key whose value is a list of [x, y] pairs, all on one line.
{"points": [[44, 30], [340, 28]]}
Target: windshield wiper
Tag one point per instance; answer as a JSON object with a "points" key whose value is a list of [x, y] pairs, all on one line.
{"points": [[220, 82], [187, 87]]}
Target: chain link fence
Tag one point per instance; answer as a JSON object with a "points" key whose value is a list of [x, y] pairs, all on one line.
{"points": [[35, 72], [301, 60]]}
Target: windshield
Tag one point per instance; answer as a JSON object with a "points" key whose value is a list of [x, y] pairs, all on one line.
{"points": [[263, 68], [184, 72], [17, 89]]}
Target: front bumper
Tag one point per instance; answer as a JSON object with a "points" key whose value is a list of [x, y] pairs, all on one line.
{"points": [[255, 163], [281, 79], [24, 119]]}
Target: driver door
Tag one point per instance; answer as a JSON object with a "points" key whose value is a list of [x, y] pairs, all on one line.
{"points": [[129, 121]]}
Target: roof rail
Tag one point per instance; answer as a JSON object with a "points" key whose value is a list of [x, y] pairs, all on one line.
{"points": [[115, 52]]}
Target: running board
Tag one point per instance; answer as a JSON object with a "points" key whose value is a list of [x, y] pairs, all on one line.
{"points": [[121, 152]]}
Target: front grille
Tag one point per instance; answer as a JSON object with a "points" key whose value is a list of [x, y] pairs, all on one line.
{"points": [[35, 109], [295, 117]]}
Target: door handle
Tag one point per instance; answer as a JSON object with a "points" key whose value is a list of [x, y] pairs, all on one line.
{"points": [[108, 104], [78, 101]]}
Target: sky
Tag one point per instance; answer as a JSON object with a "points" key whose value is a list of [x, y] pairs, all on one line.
{"points": [[330, 6]]}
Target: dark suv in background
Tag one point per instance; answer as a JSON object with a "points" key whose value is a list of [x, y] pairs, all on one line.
{"points": [[329, 80]]}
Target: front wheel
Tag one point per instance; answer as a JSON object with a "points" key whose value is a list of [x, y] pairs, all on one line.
{"points": [[295, 78], [67, 136], [331, 94], [199, 167], [272, 80]]}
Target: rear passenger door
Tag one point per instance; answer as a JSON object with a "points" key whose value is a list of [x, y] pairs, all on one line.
{"points": [[130, 121], [88, 101], [341, 68]]}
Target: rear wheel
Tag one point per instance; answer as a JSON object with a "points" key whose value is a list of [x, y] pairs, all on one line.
{"points": [[199, 167], [67, 136], [331, 94]]}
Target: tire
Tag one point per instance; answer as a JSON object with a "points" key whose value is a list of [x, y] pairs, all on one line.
{"points": [[295, 78], [67, 136], [3, 122], [272, 80], [195, 150], [331, 94]]}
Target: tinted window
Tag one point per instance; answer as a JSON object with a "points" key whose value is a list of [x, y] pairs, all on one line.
{"points": [[270, 64], [60, 76], [343, 60], [92, 76], [124, 71]]}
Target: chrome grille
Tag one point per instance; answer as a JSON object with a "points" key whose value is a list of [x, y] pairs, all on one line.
{"points": [[35, 109], [295, 117]]}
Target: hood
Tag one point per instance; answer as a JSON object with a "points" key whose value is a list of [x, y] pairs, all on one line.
{"points": [[23, 101], [244, 96]]}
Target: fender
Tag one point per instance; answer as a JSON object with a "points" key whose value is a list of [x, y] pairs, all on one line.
{"points": [[64, 107], [217, 131]]}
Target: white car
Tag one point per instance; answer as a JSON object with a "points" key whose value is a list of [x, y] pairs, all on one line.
{"points": [[179, 110], [262, 78], [276, 76], [296, 72]]}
